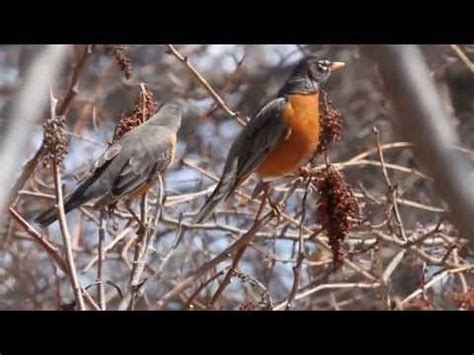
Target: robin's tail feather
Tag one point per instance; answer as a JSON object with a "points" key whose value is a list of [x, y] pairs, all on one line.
{"points": [[220, 193], [74, 200], [51, 215], [77, 198]]}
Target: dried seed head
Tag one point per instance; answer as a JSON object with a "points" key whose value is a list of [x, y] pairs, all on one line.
{"points": [[464, 300], [55, 141], [120, 55], [330, 123], [143, 109], [418, 304], [247, 306], [337, 206], [265, 301]]}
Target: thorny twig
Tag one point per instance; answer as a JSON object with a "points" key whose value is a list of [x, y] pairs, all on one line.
{"points": [[392, 190], [140, 246]]}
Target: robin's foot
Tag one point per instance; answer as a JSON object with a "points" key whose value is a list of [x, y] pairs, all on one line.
{"points": [[277, 208], [304, 171], [259, 188]]}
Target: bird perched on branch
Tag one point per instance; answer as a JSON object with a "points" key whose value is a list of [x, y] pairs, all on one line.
{"points": [[129, 166], [281, 137]]}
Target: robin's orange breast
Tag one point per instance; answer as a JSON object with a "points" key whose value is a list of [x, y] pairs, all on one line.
{"points": [[302, 116]]}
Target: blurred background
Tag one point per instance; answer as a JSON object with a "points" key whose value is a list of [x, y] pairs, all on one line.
{"points": [[383, 273]]}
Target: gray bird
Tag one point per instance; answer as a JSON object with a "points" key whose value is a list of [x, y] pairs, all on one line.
{"points": [[130, 166]]}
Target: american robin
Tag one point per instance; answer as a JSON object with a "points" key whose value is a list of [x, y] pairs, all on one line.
{"points": [[281, 137], [130, 166]]}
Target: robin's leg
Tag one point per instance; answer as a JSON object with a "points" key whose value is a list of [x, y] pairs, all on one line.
{"points": [[265, 187], [109, 210], [128, 206], [305, 171]]}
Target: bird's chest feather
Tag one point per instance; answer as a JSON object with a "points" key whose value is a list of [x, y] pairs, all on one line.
{"points": [[302, 117]]}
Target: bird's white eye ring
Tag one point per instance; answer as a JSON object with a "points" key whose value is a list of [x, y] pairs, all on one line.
{"points": [[323, 66]]}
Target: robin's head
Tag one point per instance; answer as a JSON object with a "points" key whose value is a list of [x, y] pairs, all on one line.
{"points": [[309, 74], [320, 69], [169, 115]]}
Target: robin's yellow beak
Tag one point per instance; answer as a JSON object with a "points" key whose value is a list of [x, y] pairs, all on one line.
{"points": [[337, 65]]}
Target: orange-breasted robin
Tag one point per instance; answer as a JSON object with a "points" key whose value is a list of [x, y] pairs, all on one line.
{"points": [[128, 167], [281, 137]]}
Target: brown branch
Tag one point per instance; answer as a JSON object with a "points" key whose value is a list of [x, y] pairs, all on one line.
{"points": [[301, 253], [172, 50], [73, 88], [101, 257], [188, 304], [138, 263], [463, 57], [226, 88], [52, 250], [392, 190], [66, 237], [335, 286]]}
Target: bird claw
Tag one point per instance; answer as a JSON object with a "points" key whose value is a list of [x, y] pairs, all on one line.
{"points": [[277, 209], [304, 171], [259, 188]]}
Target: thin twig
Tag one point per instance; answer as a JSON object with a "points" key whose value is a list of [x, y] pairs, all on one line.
{"points": [[51, 249], [392, 190], [66, 237], [140, 245], [108, 247], [301, 254], [334, 286], [172, 50], [463, 57], [188, 304], [101, 258]]}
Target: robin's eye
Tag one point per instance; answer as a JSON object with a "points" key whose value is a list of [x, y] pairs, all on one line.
{"points": [[322, 67]]}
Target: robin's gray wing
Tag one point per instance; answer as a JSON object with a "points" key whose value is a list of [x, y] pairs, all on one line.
{"points": [[143, 156], [256, 141], [136, 158]]}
